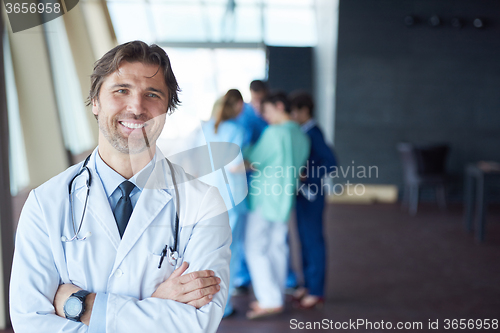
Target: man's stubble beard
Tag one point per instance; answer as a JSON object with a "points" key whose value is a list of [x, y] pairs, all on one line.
{"points": [[122, 144]]}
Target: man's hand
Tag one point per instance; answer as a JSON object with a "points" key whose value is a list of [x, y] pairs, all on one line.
{"points": [[66, 290], [196, 288], [63, 292]]}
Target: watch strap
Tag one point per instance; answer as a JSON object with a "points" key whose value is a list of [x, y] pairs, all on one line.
{"points": [[81, 294]]}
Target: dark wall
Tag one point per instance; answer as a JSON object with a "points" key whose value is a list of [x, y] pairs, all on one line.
{"points": [[419, 84], [290, 68]]}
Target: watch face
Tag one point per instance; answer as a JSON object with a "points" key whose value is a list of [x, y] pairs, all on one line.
{"points": [[73, 306]]}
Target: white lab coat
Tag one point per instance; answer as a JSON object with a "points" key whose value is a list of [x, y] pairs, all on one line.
{"points": [[126, 269]]}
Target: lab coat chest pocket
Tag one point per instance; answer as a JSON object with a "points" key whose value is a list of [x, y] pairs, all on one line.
{"points": [[154, 276], [77, 260], [88, 262]]}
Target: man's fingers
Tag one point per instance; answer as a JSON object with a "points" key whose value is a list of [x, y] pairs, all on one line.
{"points": [[199, 294], [201, 302], [200, 283], [178, 272], [195, 275]]}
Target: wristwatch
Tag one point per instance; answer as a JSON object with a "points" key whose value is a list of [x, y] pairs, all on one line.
{"points": [[75, 305]]}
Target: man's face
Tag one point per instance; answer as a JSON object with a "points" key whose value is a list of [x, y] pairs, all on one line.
{"points": [[257, 95], [132, 100], [271, 112], [300, 115]]}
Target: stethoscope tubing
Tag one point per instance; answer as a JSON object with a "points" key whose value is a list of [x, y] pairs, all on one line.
{"points": [[173, 250]]}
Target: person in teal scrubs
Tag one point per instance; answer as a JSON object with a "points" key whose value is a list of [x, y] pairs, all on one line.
{"points": [[276, 159]]}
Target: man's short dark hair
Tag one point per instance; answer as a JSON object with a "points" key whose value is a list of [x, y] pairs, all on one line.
{"points": [[136, 51], [258, 86], [276, 97], [300, 99]]}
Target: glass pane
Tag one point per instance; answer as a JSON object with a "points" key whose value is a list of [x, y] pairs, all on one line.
{"points": [[207, 23], [18, 165], [212, 18], [290, 27], [195, 73], [286, 3], [130, 21], [204, 75], [189, 2], [287, 22], [248, 24], [181, 22], [291, 3], [237, 68], [122, 1], [70, 103]]}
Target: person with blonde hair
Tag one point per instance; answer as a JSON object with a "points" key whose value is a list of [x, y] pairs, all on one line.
{"points": [[223, 127]]}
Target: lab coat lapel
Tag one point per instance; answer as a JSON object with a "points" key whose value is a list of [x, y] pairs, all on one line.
{"points": [[153, 199], [98, 204]]}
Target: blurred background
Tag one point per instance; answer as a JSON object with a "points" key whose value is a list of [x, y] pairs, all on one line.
{"points": [[408, 87]]}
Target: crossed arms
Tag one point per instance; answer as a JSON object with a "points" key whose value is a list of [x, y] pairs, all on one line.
{"points": [[196, 289]]}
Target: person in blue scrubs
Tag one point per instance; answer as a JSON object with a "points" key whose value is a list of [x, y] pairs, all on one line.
{"points": [[250, 117], [310, 205], [254, 124], [223, 127]]}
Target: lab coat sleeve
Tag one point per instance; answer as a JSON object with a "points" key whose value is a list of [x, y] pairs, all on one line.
{"points": [[35, 279], [208, 248], [98, 318]]}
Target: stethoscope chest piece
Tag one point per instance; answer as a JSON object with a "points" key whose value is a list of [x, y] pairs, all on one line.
{"points": [[172, 258]]}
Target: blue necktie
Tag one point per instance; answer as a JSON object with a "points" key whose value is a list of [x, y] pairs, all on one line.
{"points": [[123, 208]]}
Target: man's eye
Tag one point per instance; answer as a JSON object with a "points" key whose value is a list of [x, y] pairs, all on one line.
{"points": [[152, 95], [121, 91]]}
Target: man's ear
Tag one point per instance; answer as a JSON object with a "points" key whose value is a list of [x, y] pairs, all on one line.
{"points": [[95, 106]]}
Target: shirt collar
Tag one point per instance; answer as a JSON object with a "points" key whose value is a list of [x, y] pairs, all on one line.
{"points": [[111, 179], [308, 125]]}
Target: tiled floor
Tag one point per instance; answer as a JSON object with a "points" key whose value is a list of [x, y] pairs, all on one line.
{"points": [[385, 265]]}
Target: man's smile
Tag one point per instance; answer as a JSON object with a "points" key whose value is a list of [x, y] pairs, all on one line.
{"points": [[132, 125]]}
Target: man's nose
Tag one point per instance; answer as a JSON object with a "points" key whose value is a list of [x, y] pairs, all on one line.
{"points": [[136, 104]]}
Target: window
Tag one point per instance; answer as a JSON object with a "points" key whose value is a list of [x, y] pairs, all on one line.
{"points": [[206, 74], [19, 174], [271, 22], [71, 106]]}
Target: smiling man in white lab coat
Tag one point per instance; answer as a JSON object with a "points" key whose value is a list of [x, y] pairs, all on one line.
{"points": [[100, 271]]}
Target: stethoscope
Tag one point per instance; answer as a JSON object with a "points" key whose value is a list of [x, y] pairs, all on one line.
{"points": [[172, 256]]}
